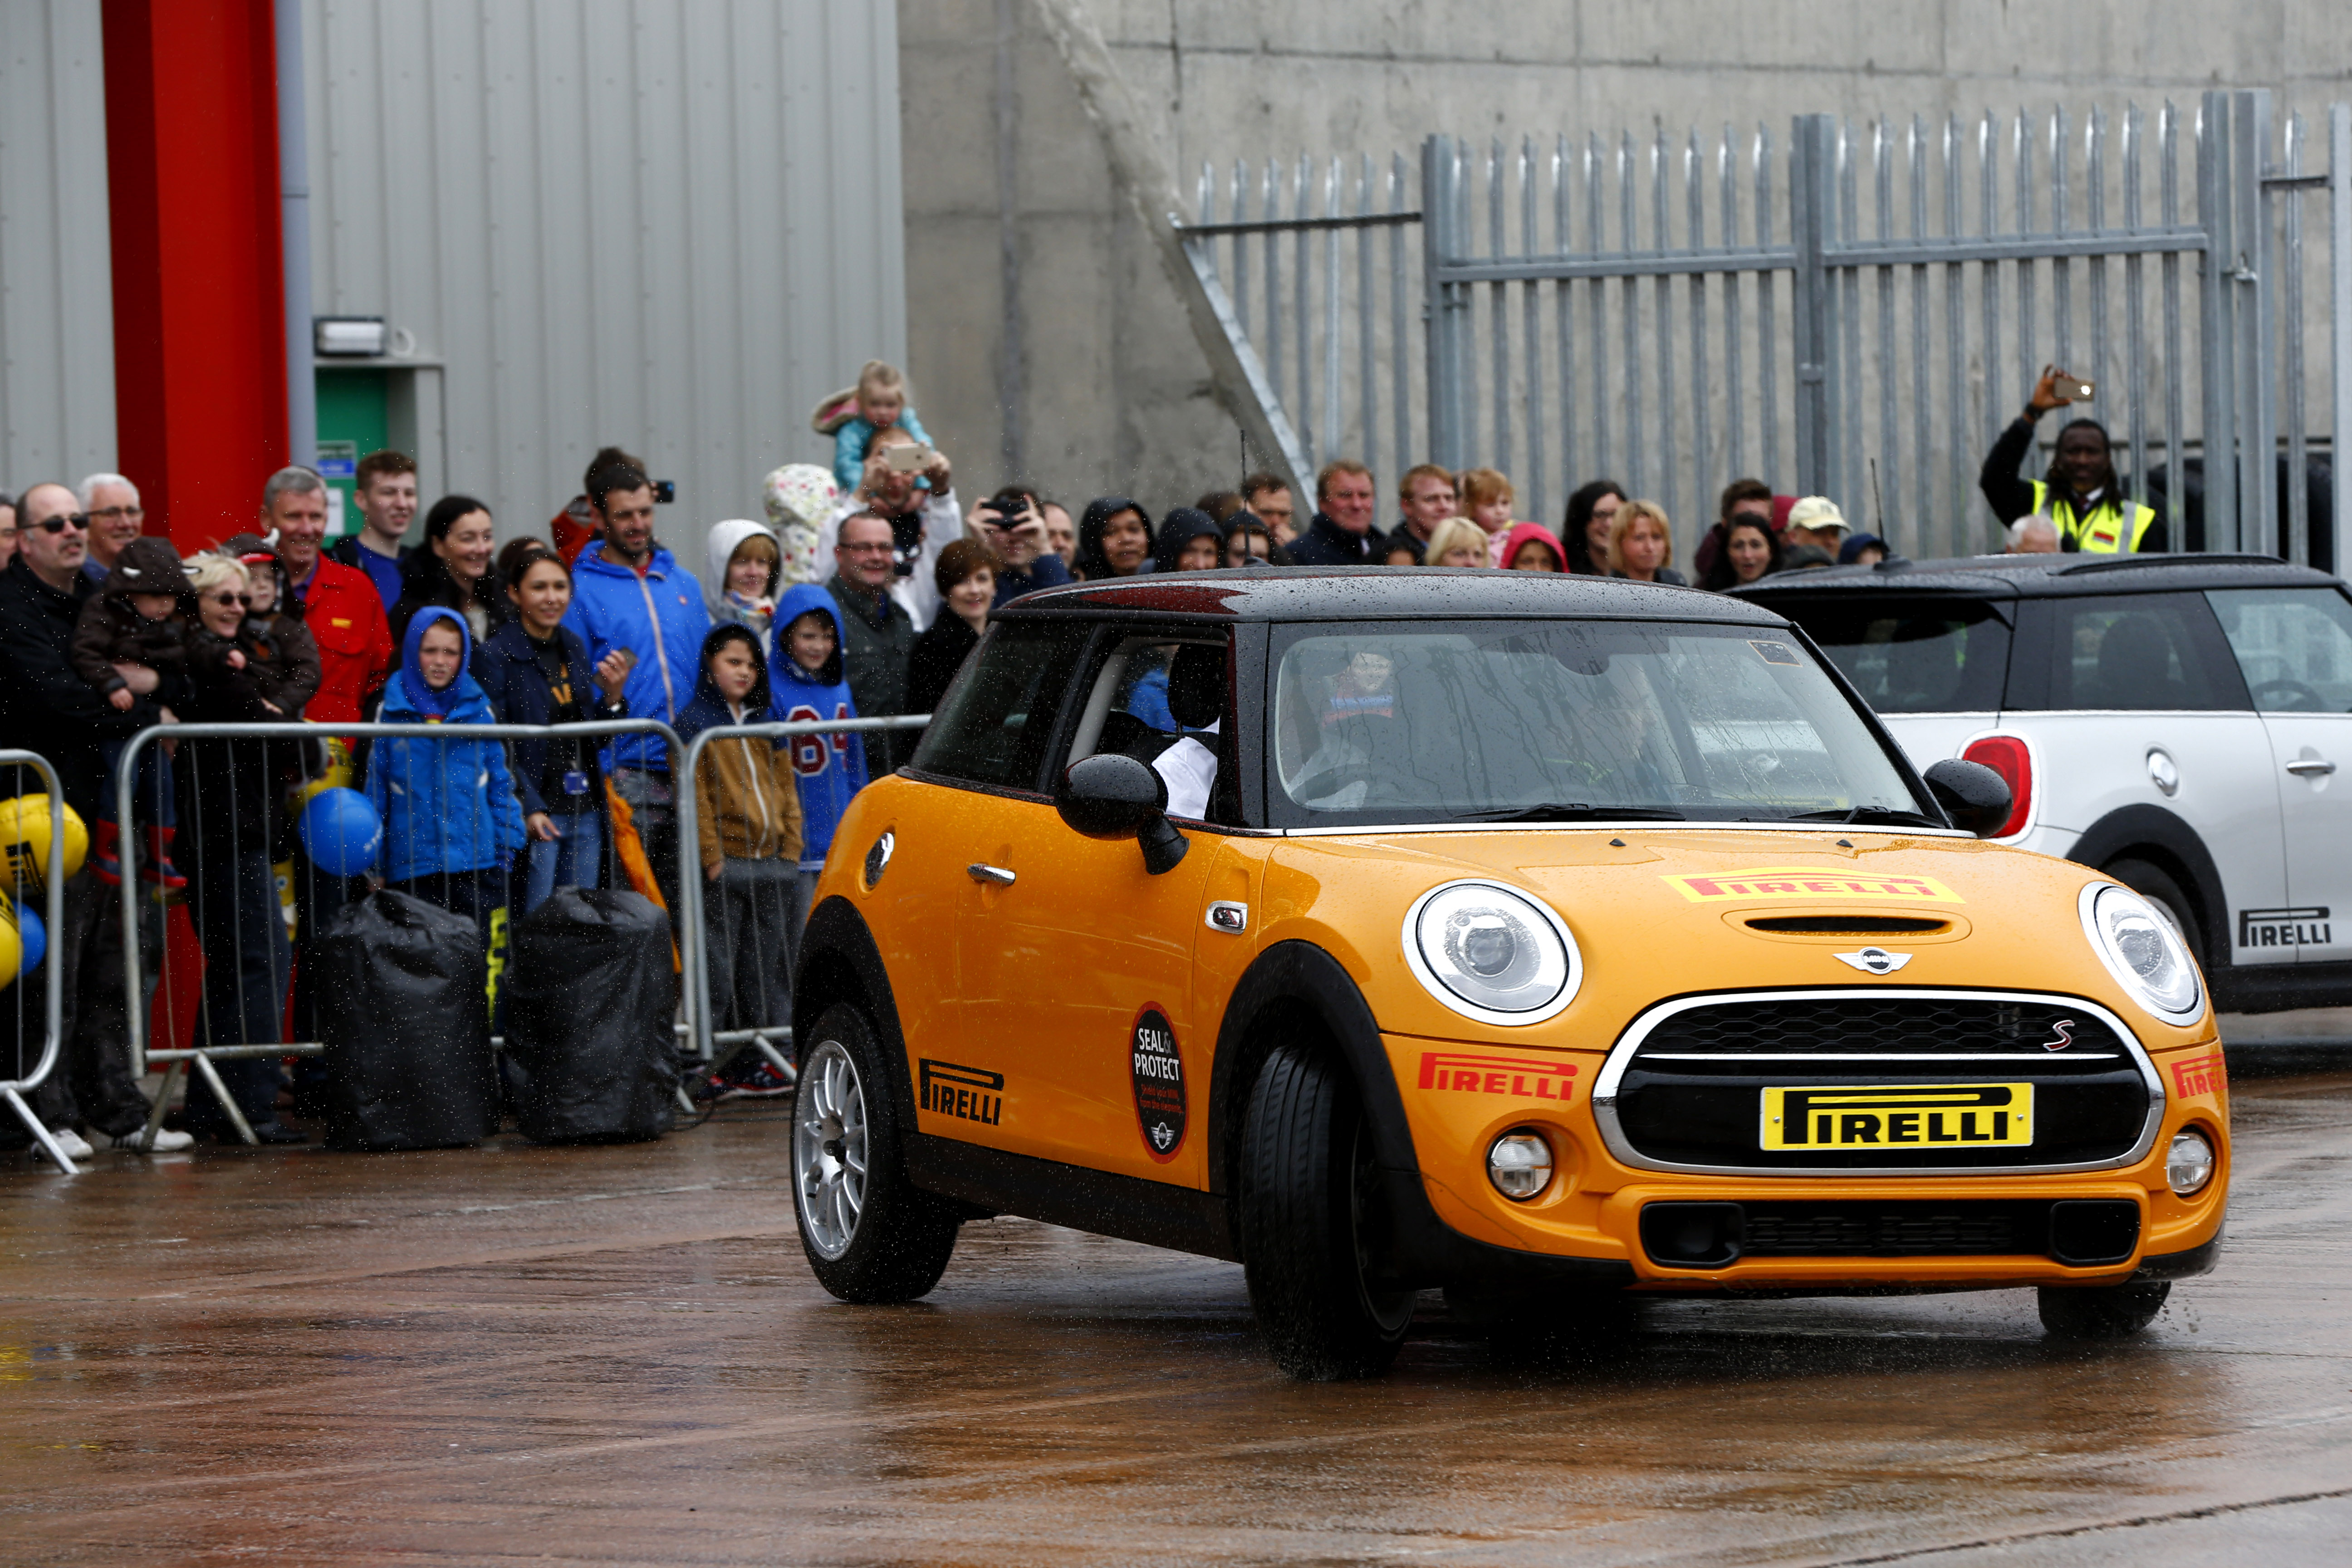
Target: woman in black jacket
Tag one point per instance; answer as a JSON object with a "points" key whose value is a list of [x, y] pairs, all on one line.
{"points": [[230, 807], [535, 671], [966, 575], [453, 570]]}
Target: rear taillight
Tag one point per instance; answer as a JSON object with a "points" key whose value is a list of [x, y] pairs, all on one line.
{"points": [[2007, 755]]}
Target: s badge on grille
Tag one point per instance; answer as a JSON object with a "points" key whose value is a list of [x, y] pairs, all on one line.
{"points": [[1875, 960]]}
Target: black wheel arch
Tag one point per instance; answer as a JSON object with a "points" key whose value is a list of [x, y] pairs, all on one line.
{"points": [[840, 961], [2162, 837], [1296, 988]]}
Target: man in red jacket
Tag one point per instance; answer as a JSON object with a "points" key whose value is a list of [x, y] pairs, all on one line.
{"points": [[339, 605]]}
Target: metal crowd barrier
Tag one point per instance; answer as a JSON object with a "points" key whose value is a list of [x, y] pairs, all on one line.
{"points": [[189, 855], [713, 1046], [13, 1090]]}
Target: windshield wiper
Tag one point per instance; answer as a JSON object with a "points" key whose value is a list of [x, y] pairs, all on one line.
{"points": [[1556, 812], [1868, 814]]}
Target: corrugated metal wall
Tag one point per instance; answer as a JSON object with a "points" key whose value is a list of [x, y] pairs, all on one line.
{"points": [[56, 307], [669, 226]]}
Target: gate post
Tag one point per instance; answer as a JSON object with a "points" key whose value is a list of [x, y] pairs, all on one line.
{"points": [[1812, 208], [2217, 334], [1444, 306], [2250, 145]]}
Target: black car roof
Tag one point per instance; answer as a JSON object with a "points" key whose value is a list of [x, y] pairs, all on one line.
{"points": [[1350, 592], [2044, 576]]}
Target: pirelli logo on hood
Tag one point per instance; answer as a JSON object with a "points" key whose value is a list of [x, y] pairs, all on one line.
{"points": [[1780, 882]]}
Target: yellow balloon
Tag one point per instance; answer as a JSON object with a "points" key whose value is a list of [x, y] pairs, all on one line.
{"points": [[12, 946], [25, 842]]}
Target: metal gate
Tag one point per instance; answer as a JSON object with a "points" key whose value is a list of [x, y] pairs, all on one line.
{"points": [[1857, 314]]}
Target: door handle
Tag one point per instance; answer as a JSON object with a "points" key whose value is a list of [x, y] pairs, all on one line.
{"points": [[2309, 767], [996, 874]]}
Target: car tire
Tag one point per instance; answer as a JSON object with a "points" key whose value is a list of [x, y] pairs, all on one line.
{"points": [[1309, 1197], [2100, 1312], [871, 1234], [2157, 885]]}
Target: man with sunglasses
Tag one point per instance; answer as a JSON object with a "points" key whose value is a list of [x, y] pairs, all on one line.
{"points": [[116, 518], [46, 706]]}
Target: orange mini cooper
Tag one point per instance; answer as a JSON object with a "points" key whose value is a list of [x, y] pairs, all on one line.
{"points": [[1543, 939]]}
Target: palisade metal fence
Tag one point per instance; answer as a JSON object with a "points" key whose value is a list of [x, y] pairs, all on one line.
{"points": [[17, 993], [716, 1035], [1856, 312]]}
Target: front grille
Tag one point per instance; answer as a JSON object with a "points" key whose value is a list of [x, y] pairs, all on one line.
{"points": [[1692, 1092], [2081, 1233], [1870, 1025]]}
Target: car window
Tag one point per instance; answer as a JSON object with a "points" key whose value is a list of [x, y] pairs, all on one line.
{"points": [[1911, 656], [996, 721], [1130, 707], [1427, 724], [2293, 646], [2136, 653]]}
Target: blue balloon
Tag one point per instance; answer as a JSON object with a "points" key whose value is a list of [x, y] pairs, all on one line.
{"points": [[341, 832], [32, 937]]}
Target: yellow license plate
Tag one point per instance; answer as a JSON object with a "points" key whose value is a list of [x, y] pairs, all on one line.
{"points": [[1900, 1116]]}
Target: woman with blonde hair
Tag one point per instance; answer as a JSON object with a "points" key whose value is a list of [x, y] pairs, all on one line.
{"points": [[1456, 542], [1641, 545]]}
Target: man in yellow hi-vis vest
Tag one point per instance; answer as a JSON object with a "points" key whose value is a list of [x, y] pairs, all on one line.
{"points": [[2080, 495]]}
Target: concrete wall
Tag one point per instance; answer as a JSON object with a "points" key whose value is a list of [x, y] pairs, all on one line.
{"points": [[1115, 394]]}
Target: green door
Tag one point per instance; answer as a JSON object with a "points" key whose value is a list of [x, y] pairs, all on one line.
{"points": [[352, 422]]}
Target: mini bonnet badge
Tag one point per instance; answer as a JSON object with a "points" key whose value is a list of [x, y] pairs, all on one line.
{"points": [[1875, 960]]}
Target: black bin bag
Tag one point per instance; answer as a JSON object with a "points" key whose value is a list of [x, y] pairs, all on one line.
{"points": [[589, 1001], [404, 1012]]}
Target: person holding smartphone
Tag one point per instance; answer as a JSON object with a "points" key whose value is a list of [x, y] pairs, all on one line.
{"points": [[1011, 523], [2080, 492], [923, 521]]}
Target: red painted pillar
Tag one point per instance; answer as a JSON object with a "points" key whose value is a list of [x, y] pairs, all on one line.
{"points": [[199, 283]]}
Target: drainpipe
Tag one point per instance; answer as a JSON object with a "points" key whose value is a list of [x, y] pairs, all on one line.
{"points": [[294, 224]]}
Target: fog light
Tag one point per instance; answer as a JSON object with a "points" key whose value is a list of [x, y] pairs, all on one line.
{"points": [[1519, 1165], [2187, 1165]]}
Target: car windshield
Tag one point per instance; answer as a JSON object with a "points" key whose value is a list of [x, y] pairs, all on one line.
{"points": [[1567, 720]]}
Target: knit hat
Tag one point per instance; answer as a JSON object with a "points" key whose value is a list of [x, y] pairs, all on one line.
{"points": [[147, 567]]}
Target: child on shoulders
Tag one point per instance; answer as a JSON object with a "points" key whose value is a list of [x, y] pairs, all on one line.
{"points": [[852, 415]]}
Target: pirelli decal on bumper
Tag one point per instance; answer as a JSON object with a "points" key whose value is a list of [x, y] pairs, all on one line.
{"points": [[1454, 1072], [1778, 883], [969, 1094], [2200, 1074]]}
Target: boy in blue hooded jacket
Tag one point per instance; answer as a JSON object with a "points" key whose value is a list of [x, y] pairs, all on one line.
{"points": [[806, 676], [451, 820]]}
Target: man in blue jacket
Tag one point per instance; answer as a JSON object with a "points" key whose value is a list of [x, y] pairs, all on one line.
{"points": [[630, 593]]}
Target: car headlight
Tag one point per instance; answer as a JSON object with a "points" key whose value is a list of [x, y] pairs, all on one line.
{"points": [[1491, 952], [2143, 952]]}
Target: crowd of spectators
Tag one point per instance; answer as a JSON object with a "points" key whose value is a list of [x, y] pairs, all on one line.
{"points": [[860, 592]]}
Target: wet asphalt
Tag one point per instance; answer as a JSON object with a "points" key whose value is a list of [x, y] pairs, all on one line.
{"points": [[617, 1355]]}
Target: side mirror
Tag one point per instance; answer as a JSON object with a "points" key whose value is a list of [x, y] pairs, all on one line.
{"points": [[1974, 797], [1112, 795]]}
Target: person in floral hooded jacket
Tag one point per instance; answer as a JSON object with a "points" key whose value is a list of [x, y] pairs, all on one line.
{"points": [[800, 497]]}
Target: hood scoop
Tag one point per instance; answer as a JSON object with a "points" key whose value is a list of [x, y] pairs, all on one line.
{"points": [[1847, 925]]}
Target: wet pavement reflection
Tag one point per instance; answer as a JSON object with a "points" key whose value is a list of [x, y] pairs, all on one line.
{"points": [[617, 1355]]}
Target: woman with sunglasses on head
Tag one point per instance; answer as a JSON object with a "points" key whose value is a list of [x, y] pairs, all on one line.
{"points": [[229, 806]]}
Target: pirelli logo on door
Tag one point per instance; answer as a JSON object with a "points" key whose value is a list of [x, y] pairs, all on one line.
{"points": [[1905, 1116], [1782, 882]]}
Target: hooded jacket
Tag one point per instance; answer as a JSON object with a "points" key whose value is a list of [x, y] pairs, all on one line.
{"points": [[109, 632], [747, 802], [1522, 532], [446, 806], [660, 617], [831, 769], [45, 706], [726, 539], [1177, 529]]}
